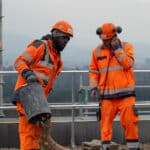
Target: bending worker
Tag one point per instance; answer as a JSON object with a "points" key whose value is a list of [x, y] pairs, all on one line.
{"points": [[40, 62], [111, 73]]}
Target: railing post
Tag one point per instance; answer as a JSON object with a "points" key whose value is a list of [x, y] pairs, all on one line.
{"points": [[1, 75], [73, 114]]}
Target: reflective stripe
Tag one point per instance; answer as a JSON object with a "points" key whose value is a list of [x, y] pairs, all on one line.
{"points": [[28, 57], [94, 71], [93, 83], [19, 63], [120, 58], [44, 63], [47, 60], [105, 146], [111, 69], [131, 61], [93, 80], [43, 76], [98, 49], [47, 53], [110, 92], [133, 145], [124, 45]]}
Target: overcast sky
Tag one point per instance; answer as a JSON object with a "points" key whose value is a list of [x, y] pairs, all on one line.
{"points": [[33, 18]]}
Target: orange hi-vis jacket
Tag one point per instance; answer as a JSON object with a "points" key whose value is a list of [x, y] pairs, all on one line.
{"points": [[45, 61], [112, 71]]}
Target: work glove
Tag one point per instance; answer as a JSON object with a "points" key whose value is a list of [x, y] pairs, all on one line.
{"points": [[38, 119], [29, 75], [115, 43], [32, 78]]}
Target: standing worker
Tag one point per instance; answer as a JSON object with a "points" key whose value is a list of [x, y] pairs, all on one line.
{"points": [[40, 62], [111, 73]]}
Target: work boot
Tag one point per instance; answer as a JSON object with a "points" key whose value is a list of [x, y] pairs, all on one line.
{"points": [[50, 144], [46, 141]]}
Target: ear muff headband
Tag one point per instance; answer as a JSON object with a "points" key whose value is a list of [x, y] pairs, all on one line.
{"points": [[118, 29]]}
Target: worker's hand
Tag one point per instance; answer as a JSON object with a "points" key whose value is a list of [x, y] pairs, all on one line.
{"points": [[115, 43], [43, 120], [44, 124], [32, 78], [94, 92], [29, 75], [40, 118]]}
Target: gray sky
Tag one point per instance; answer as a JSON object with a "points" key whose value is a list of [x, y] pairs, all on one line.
{"points": [[33, 18]]}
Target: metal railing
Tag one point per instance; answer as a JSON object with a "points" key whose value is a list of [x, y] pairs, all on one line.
{"points": [[73, 105]]}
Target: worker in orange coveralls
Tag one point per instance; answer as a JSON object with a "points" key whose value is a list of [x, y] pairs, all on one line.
{"points": [[111, 74], [40, 62]]}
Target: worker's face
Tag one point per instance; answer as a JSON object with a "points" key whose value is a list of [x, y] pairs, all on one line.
{"points": [[61, 41], [107, 43]]}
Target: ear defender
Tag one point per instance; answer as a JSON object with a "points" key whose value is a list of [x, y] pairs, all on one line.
{"points": [[118, 29], [98, 31]]}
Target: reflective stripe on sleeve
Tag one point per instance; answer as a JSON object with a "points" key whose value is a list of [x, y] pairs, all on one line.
{"points": [[131, 61], [43, 76], [28, 57], [19, 63], [93, 82], [121, 57], [93, 71]]}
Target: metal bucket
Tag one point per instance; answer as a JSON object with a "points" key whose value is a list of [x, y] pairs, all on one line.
{"points": [[34, 102]]}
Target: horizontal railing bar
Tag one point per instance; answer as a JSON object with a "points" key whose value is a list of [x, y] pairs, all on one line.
{"points": [[67, 71], [74, 105], [70, 106], [142, 86], [8, 72]]}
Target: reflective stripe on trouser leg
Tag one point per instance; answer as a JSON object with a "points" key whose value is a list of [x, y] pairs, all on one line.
{"points": [[106, 145], [133, 144]]}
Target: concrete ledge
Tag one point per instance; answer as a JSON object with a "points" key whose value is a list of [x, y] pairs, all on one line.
{"points": [[84, 131]]}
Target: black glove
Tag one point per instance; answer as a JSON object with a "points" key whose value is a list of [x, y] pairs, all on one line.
{"points": [[29, 75], [40, 118], [32, 78], [115, 44]]}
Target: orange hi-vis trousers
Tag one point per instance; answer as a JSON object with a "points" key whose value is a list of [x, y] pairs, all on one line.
{"points": [[128, 118]]}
